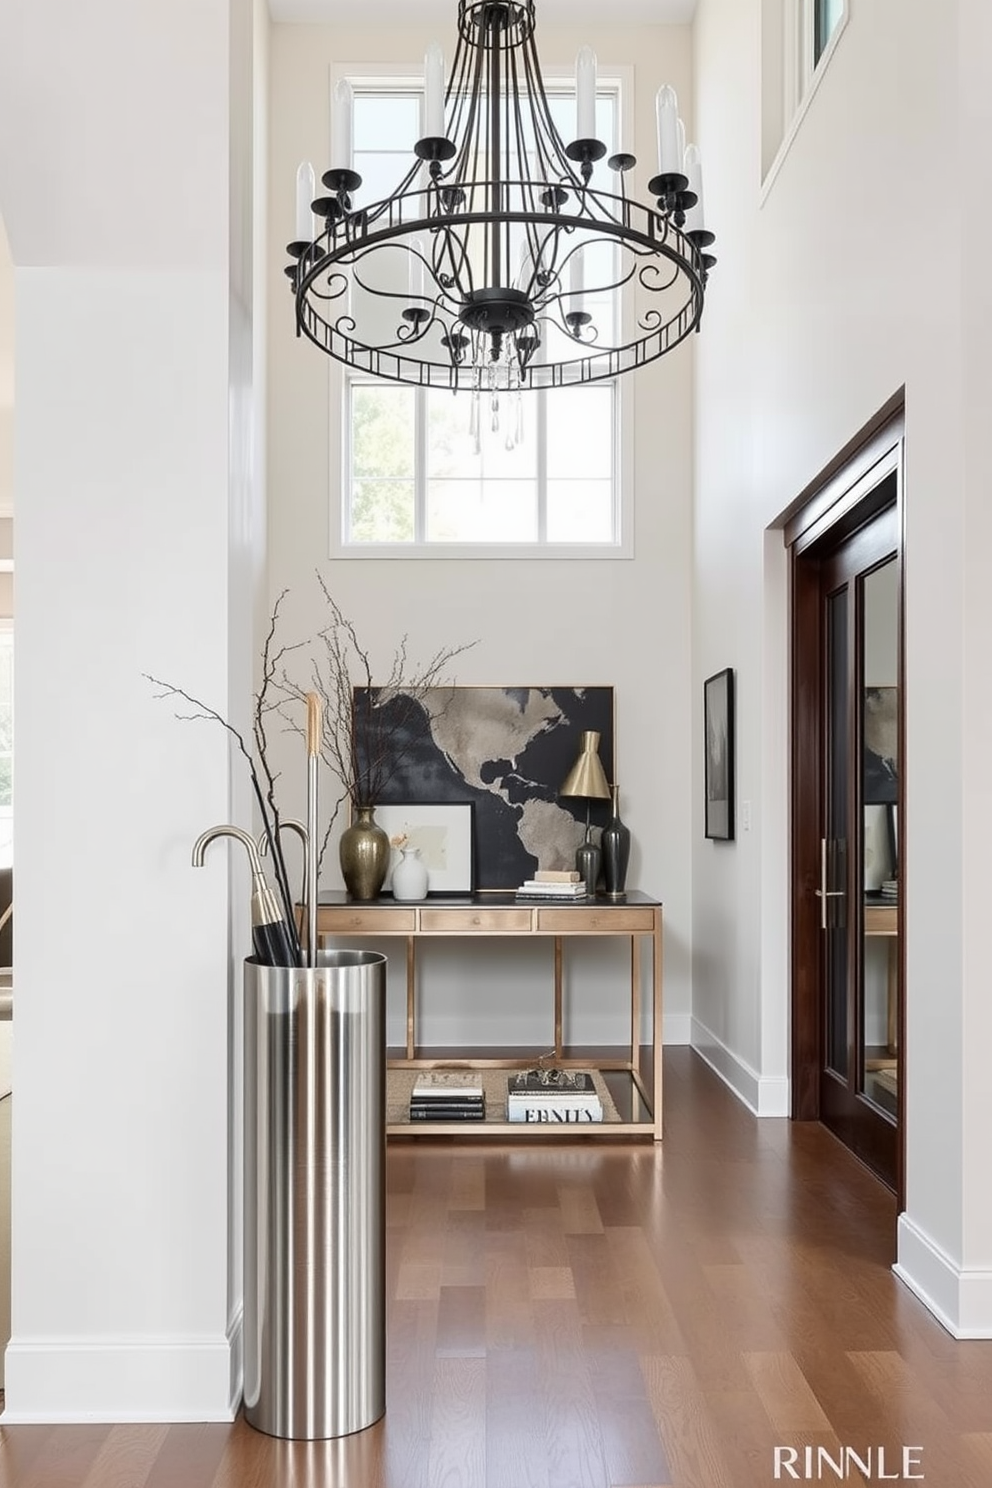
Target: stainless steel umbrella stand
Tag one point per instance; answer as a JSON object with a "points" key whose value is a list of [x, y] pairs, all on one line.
{"points": [[315, 1133]]}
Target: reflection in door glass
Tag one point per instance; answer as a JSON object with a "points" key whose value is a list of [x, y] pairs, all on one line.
{"points": [[880, 794], [834, 858]]}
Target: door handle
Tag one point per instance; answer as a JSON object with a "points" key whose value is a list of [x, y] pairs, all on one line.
{"points": [[823, 893]]}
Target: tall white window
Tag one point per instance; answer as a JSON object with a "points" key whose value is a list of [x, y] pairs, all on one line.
{"points": [[825, 20], [429, 472], [417, 473], [798, 38], [819, 22]]}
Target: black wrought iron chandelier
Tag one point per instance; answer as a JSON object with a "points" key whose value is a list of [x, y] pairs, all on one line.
{"points": [[496, 261]]}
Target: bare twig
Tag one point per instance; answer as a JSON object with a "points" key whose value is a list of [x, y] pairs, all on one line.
{"points": [[370, 729]]}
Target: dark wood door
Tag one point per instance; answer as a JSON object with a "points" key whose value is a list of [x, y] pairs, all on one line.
{"points": [[847, 911]]}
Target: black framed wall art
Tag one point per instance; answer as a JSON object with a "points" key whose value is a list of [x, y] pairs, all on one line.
{"points": [[718, 737]]}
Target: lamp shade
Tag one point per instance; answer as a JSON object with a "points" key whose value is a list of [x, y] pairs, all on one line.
{"points": [[587, 777]]}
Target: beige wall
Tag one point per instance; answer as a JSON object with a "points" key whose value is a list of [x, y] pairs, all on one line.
{"points": [[624, 623]]}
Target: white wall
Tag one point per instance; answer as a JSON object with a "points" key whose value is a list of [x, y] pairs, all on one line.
{"points": [[6, 375], [138, 520], [832, 292], [6, 418], [624, 623]]}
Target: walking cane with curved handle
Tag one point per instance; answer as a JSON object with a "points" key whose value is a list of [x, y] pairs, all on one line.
{"points": [[271, 939]]}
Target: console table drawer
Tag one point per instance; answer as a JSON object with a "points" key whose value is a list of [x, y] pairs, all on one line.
{"points": [[365, 921], [479, 921], [607, 921]]}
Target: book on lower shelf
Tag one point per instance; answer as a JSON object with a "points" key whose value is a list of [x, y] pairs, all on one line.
{"points": [[448, 1110], [553, 1114], [447, 1084], [447, 1095], [552, 1095]]}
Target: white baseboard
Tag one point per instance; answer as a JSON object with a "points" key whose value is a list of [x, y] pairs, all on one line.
{"points": [[765, 1095], [960, 1300], [61, 1381]]}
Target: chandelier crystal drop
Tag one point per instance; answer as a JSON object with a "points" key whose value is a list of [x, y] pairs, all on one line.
{"points": [[497, 264]]}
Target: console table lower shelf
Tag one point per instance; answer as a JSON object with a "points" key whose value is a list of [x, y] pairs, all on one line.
{"points": [[631, 1073]]}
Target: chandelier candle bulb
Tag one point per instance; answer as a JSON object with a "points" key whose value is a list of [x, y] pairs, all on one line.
{"points": [[341, 152], [669, 154], [693, 172], [306, 190], [434, 92], [585, 94], [577, 278]]}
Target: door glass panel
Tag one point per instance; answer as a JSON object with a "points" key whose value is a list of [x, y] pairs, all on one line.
{"points": [[880, 795], [834, 848]]}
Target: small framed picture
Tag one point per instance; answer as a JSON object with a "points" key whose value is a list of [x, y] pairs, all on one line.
{"points": [[718, 731], [443, 834]]}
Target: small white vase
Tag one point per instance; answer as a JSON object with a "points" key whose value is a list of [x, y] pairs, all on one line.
{"points": [[410, 876]]}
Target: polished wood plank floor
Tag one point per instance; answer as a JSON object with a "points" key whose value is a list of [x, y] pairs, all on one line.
{"points": [[612, 1315]]}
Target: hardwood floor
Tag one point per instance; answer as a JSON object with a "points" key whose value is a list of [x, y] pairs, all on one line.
{"points": [[593, 1315]]}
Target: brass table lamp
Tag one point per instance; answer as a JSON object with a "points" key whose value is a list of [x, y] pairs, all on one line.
{"points": [[587, 779]]}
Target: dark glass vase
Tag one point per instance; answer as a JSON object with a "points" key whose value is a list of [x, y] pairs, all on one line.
{"points": [[615, 847], [588, 861]]}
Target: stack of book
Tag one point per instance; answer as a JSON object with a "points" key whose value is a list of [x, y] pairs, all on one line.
{"points": [[553, 1096], [890, 891], [550, 883], [447, 1095]]}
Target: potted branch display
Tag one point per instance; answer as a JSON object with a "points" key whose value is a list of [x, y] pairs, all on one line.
{"points": [[368, 728], [365, 733]]}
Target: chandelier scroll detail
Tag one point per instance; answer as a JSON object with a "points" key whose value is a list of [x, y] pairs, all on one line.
{"points": [[499, 258]]}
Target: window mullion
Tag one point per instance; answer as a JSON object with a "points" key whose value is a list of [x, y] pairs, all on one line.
{"points": [[420, 467], [541, 436], [346, 512]]}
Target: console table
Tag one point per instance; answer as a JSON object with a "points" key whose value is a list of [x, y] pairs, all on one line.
{"points": [[637, 918]]}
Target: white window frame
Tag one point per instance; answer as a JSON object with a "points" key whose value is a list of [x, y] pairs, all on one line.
{"points": [[366, 77], [801, 77], [535, 404]]}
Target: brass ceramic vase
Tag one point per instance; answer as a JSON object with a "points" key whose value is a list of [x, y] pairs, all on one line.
{"points": [[364, 855]]}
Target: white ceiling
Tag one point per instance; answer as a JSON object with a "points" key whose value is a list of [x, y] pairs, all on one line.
{"points": [[650, 12]]}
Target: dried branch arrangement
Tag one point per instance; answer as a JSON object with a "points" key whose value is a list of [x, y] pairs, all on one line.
{"points": [[362, 742]]}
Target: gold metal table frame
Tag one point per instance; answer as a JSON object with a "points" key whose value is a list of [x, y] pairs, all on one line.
{"points": [[637, 918]]}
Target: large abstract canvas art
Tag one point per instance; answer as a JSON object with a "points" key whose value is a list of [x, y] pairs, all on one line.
{"points": [[508, 751]]}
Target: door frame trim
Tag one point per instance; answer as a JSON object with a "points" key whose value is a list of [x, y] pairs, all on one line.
{"points": [[848, 493]]}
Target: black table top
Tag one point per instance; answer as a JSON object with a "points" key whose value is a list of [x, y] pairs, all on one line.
{"points": [[489, 899]]}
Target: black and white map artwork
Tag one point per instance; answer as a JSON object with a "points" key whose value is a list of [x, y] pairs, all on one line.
{"points": [[508, 750]]}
